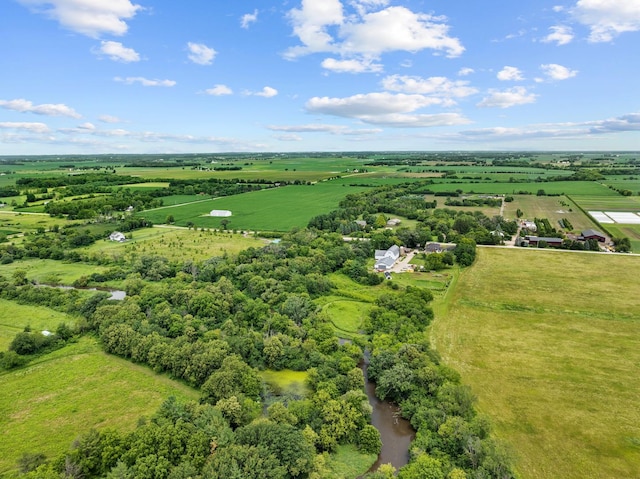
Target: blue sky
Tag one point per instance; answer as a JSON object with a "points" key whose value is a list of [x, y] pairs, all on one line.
{"points": [[160, 76]]}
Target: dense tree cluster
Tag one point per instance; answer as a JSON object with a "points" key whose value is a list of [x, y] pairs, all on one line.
{"points": [[215, 325]]}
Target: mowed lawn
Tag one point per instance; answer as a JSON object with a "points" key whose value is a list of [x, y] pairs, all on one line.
{"points": [[550, 343], [276, 209], [46, 405]]}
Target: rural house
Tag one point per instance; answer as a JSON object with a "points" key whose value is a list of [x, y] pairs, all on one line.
{"points": [[535, 240], [386, 259]]}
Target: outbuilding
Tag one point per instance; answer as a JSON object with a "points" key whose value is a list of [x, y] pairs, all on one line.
{"points": [[593, 234]]}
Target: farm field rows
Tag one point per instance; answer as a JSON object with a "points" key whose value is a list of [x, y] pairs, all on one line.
{"points": [[553, 208], [552, 350], [66, 393]]}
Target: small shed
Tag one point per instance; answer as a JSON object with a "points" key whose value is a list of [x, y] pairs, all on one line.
{"points": [[117, 236]]}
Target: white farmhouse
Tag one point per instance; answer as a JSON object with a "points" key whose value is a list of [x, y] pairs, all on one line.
{"points": [[386, 259]]}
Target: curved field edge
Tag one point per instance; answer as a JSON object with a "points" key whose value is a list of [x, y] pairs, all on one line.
{"points": [[47, 404], [550, 344]]}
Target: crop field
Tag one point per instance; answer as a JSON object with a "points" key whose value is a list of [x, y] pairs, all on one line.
{"points": [[552, 350], [610, 203], [553, 208], [276, 209], [48, 271], [66, 393], [555, 187], [15, 317], [176, 244]]}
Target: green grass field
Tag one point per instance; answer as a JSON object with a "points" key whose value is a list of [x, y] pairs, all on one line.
{"points": [[276, 209], [550, 343], [629, 231], [46, 405], [347, 316], [609, 203], [48, 271], [15, 317]]}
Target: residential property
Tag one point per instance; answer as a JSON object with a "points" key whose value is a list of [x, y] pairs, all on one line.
{"points": [[117, 236], [433, 248], [386, 259], [529, 225]]}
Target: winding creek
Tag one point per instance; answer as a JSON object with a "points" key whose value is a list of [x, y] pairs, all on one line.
{"points": [[396, 433], [116, 294]]}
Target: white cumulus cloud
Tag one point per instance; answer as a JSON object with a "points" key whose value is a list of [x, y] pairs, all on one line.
{"points": [[463, 72], [557, 72], [560, 34], [33, 127], [88, 17], [219, 90], [200, 53], [351, 66], [145, 81], [248, 18], [367, 31], [266, 92], [109, 119], [48, 109], [607, 18], [510, 74], [389, 109], [437, 86], [116, 51], [507, 98]]}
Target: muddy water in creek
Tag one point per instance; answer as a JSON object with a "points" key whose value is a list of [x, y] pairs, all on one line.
{"points": [[396, 433]]}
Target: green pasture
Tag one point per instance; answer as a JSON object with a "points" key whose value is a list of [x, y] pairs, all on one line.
{"points": [[145, 186], [15, 317], [174, 200], [275, 209], [549, 341], [30, 222], [49, 271], [175, 244], [47, 404]]}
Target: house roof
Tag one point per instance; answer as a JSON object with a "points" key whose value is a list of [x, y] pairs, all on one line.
{"points": [[543, 238], [591, 232]]}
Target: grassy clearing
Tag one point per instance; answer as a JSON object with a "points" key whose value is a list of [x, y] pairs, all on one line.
{"points": [[550, 343], [554, 187], [29, 222], [49, 271], [347, 316], [176, 244], [286, 381], [347, 461], [15, 317], [45, 406]]}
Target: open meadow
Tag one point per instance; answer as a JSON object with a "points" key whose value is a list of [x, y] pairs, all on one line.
{"points": [[61, 395], [175, 244], [550, 343], [16, 317]]}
